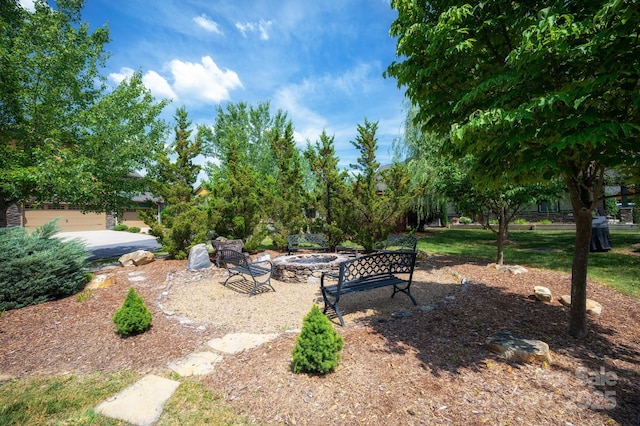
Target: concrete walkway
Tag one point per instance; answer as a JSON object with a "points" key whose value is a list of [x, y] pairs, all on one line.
{"points": [[108, 244], [141, 404]]}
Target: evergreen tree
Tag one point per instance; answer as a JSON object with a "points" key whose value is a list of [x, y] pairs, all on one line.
{"points": [[290, 198], [329, 195], [184, 221], [236, 198], [379, 197]]}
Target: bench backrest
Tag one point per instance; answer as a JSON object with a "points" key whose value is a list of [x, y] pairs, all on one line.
{"points": [[385, 263], [400, 243], [295, 240], [232, 257]]}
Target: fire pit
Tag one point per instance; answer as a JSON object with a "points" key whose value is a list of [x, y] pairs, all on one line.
{"points": [[306, 268]]}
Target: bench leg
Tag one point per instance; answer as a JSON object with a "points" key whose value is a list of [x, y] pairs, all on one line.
{"points": [[406, 291], [334, 306], [259, 284]]}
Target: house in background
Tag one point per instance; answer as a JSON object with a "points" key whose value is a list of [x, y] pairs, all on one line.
{"points": [[71, 218]]}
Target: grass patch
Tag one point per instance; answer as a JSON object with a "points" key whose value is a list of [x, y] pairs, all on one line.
{"points": [[70, 400], [60, 399], [552, 250]]}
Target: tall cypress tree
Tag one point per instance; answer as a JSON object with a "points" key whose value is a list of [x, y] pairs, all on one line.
{"points": [[184, 221], [378, 196]]}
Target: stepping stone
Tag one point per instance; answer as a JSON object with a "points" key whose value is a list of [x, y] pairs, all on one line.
{"points": [[140, 404], [235, 343], [196, 364]]}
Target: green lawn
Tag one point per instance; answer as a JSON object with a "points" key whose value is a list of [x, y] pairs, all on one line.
{"points": [[617, 268]]}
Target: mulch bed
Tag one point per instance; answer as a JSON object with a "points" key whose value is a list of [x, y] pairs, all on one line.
{"points": [[424, 368]]}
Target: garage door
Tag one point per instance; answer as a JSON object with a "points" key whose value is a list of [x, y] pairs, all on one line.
{"points": [[131, 219], [69, 219]]}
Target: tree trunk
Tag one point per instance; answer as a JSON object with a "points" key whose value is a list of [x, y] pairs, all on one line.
{"points": [[578, 321], [500, 239], [584, 187]]}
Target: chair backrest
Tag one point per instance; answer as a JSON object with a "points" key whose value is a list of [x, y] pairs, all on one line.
{"points": [[401, 243], [294, 240], [227, 244], [233, 257]]}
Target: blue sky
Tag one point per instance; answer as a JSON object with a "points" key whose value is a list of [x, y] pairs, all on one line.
{"points": [[320, 61]]}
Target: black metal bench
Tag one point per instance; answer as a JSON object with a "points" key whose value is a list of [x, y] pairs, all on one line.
{"points": [[397, 242], [238, 265], [367, 273], [297, 242]]}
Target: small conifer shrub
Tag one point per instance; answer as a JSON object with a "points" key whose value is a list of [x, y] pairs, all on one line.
{"points": [[133, 317], [36, 267], [318, 346]]}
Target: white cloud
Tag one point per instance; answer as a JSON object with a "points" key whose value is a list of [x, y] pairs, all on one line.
{"points": [[117, 77], [28, 5], [203, 81], [261, 27], [153, 81], [158, 85], [207, 24], [309, 124]]}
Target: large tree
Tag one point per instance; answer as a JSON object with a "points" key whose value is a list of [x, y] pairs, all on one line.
{"points": [[533, 90], [378, 197], [63, 136], [183, 222], [290, 199], [329, 190]]}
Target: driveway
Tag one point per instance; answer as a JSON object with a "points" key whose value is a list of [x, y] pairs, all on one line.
{"points": [[108, 244]]}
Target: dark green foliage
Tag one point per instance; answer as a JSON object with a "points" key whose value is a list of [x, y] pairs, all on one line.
{"points": [[37, 267], [133, 229], [120, 227], [378, 196], [318, 346], [133, 317], [330, 189], [289, 198], [184, 220]]}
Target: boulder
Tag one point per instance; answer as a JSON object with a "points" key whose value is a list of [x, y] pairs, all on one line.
{"points": [[101, 281], [198, 258], [513, 269], [517, 349], [136, 258], [593, 307], [542, 293]]}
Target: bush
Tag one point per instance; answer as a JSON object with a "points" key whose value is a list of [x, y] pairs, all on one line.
{"points": [[133, 317], [546, 222], [37, 267], [133, 229], [120, 227], [465, 220], [520, 221], [318, 346]]}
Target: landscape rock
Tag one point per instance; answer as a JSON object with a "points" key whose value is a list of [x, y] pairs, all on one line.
{"points": [[514, 269], [101, 281], [517, 349], [593, 307], [542, 293], [198, 258], [136, 258]]}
